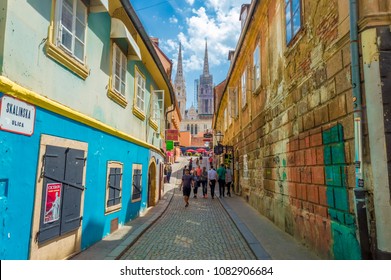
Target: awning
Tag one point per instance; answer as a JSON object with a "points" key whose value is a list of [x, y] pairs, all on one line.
{"points": [[119, 30], [99, 6]]}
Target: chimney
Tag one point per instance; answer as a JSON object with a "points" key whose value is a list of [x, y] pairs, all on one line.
{"points": [[155, 41]]}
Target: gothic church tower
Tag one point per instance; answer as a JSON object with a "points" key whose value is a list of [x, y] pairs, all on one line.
{"points": [[180, 85], [205, 92]]}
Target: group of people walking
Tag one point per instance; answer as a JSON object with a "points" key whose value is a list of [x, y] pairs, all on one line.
{"points": [[193, 178]]}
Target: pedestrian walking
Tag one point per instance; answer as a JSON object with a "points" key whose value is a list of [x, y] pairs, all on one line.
{"points": [[203, 182], [191, 164], [186, 184], [197, 178], [211, 161], [169, 171], [228, 180], [221, 177], [212, 177]]}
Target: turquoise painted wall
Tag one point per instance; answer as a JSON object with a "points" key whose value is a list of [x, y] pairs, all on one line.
{"points": [[18, 169], [345, 245]]}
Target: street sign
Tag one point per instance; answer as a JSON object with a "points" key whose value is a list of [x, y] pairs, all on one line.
{"points": [[16, 116], [169, 145], [208, 135], [172, 134]]}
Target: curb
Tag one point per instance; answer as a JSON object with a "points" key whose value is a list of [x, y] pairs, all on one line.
{"points": [[256, 247], [137, 232]]}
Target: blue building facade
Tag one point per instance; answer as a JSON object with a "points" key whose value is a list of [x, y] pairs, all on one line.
{"points": [[80, 142]]}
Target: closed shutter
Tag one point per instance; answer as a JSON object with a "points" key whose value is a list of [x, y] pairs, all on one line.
{"points": [[114, 187], [62, 166], [71, 219], [136, 184], [54, 165]]}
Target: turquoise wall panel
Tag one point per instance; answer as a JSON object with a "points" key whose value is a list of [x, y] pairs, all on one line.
{"points": [[343, 225]]}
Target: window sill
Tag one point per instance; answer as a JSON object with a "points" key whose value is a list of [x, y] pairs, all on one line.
{"points": [[257, 90], [117, 98], [65, 59], [295, 40], [138, 113], [112, 209], [136, 200], [153, 124]]}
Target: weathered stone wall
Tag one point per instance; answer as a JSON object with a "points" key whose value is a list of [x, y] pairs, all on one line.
{"points": [[294, 138]]}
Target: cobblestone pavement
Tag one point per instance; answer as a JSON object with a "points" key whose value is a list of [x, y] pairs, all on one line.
{"points": [[202, 231]]}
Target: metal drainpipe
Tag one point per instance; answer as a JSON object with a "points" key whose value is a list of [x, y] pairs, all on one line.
{"points": [[359, 191]]}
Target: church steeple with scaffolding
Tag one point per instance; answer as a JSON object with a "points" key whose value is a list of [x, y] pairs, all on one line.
{"points": [[180, 85]]}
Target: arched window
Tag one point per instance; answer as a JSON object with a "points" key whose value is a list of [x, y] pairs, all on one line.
{"points": [[195, 129]]}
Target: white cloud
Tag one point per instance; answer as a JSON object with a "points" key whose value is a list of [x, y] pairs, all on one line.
{"points": [[173, 19], [218, 22], [190, 2]]}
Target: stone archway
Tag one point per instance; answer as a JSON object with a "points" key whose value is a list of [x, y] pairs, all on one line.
{"points": [[152, 197]]}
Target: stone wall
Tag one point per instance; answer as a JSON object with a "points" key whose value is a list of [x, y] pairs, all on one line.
{"points": [[294, 138]]}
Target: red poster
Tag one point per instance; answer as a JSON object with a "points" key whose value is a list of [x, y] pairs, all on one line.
{"points": [[52, 202]]}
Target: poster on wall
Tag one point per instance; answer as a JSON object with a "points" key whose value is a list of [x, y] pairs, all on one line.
{"points": [[52, 202]]}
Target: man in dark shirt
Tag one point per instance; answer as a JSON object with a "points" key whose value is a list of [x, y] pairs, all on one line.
{"points": [[186, 184]]}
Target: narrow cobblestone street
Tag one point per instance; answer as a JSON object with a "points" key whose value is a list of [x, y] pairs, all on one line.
{"points": [[202, 231]]}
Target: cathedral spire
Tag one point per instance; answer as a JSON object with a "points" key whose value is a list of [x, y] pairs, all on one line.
{"points": [[179, 71], [206, 62]]}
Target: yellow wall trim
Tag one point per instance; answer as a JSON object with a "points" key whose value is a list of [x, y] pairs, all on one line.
{"points": [[153, 124], [138, 113], [11, 88], [117, 98]]}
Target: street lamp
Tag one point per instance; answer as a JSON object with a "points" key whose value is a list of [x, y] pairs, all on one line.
{"points": [[219, 137]]}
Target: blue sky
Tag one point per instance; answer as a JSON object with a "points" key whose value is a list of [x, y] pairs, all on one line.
{"points": [[191, 22]]}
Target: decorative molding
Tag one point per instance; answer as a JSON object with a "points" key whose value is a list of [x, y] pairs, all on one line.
{"points": [[153, 124], [138, 113]]}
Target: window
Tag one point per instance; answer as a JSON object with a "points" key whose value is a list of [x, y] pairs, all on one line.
{"points": [[257, 68], [229, 110], [66, 42], [71, 30], [114, 186], [119, 70], [234, 97], [137, 182], [157, 110], [244, 88], [140, 91], [225, 119], [139, 101], [292, 18]]}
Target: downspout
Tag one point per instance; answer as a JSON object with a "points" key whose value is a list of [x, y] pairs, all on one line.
{"points": [[359, 191]]}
